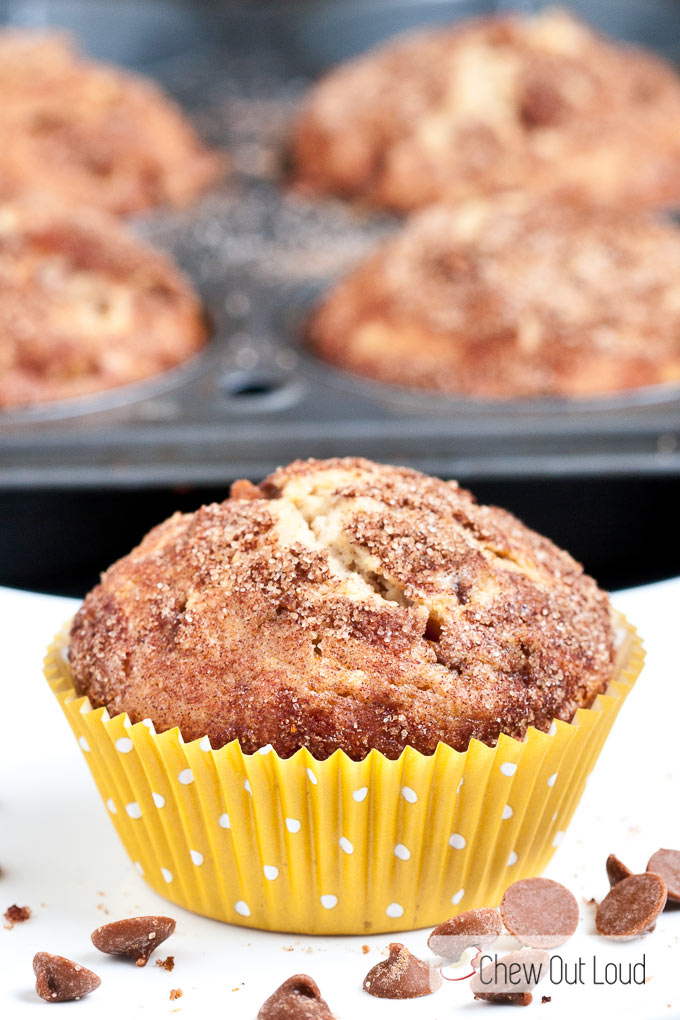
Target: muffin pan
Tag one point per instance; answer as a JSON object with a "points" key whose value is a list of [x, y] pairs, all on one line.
{"points": [[261, 255]]}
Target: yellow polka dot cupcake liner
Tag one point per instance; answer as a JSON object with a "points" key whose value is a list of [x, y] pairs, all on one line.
{"points": [[338, 846]]}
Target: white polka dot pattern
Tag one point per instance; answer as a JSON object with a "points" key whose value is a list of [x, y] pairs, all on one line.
{"points": [[402, 852], [167, 875], [133, 809], [83, 743], [507, 812], [508, 768], [394, 910], [512, 859], [271, 873], [124, 745], [242, 908], [224, 821], [457, 897], [158, 799], [186, 777], [457, 841], [345, 845], [111, 806], [409, 795], [196, 857], [360, 794], [293, 824], [328, 901]]}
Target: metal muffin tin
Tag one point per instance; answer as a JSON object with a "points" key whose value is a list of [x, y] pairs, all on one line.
{"points": [[261, 255]]}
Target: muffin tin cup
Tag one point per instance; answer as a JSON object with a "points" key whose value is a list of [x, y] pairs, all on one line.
{"points": [[338, 846]]}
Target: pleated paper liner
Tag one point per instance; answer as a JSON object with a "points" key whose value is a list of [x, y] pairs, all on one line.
{"points": [[338, 846]]}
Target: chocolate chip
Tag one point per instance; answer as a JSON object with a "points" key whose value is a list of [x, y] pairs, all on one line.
{"points": [[616, 871], [298, 998], [510, 978], [62, 980], [16, 915], [478, 928], [539, 912], [667, 864], [545, 998], [136, 937], [401, 976], [511, 998], [631, 907]]}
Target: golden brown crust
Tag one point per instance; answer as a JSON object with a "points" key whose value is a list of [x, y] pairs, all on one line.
{"points": [[84, 306], [487, 105], [512, 296], [352, 606], [90, 133]]}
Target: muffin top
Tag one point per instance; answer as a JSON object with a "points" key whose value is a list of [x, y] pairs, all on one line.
{"points": [[84, 305], [492, 104], [512, 296], [87, 132], [344, 604]]}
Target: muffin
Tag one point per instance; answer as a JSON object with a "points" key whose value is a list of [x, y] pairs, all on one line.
{"points": [[348, 699], [90, 133], [542, 103], [512, 296], [85, 306], [344, 604]]}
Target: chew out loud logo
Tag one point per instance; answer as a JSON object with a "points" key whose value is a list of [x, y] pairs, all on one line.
{"points": [[521, 975]]}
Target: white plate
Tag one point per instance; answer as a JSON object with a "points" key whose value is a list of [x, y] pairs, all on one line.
{"points": [[59, 855]]}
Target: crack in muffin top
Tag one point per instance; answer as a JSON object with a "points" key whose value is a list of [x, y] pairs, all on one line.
{"points": [[344, 604]]}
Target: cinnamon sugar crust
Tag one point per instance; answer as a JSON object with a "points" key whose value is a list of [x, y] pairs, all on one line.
{"points": [[542, 103], [512, 296], [85, 306], [90, 133], [352, 605]]}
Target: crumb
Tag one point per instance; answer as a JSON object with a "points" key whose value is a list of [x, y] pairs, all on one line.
{"points": [[176, 993], [167, 964], [592, 902], [546, 998], [365, 949], [236, 989], [287, 949], [15, 915]]}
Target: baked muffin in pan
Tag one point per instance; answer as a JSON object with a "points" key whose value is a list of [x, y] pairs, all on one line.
{"points": [[84, 305], [92, 133], [541, 102], [512, 296]]}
